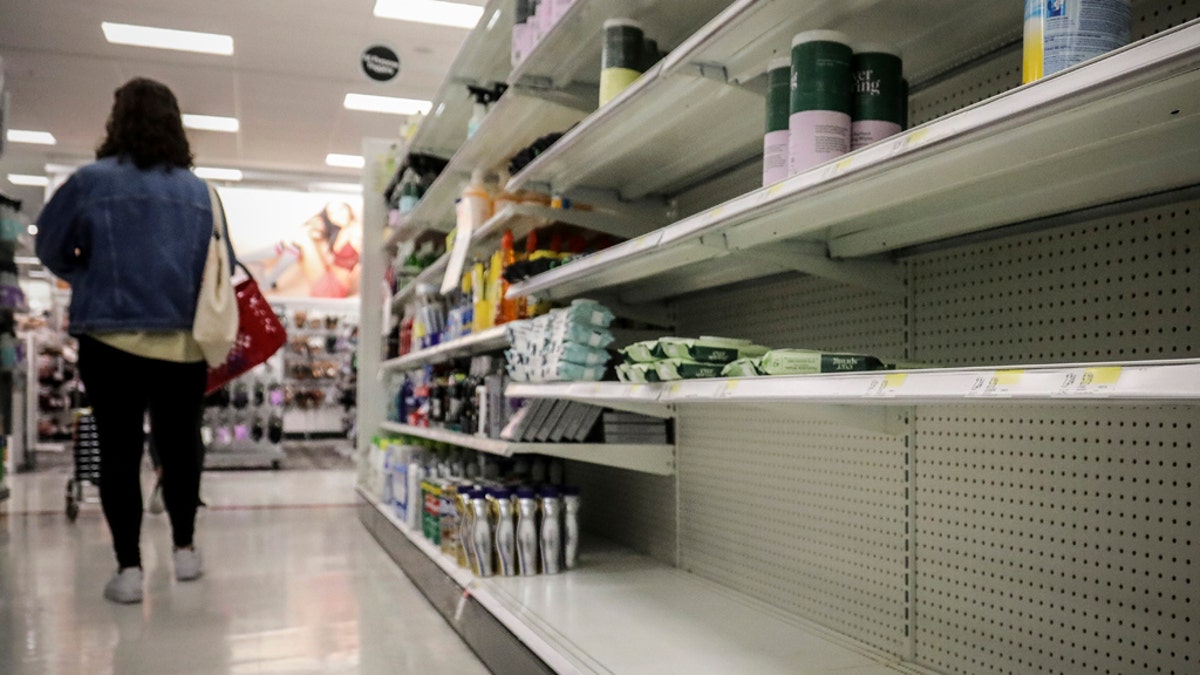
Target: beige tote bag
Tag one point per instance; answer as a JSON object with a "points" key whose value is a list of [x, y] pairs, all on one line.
{"points": [[215, 326]]}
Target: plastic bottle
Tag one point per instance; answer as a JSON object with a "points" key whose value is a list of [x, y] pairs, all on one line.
{"points": [[621, 59], [416, 473], [482, 533], [506, 309], [479, 110], [551, 539], [571, 504], [879, 96], [819, 125], [779, 101], [468, 529], [1061, 33], [527, 532], [506, 533]]}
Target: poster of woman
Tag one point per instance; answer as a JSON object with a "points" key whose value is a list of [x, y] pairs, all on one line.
{"points": [[297, 244]]}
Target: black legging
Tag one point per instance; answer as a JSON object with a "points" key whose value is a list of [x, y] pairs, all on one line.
{"points": [[121, 387]]}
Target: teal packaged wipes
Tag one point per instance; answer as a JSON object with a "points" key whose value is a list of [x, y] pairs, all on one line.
{"points": [[589, 312], [681, 369], [741, 368], [708, 349], [582, 334], [806, 362], [584, 355]]}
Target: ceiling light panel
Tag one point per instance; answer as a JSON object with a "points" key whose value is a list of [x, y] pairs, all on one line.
{"points": [[345, 161], [386, 104], [26, 180], [229, 125], [33, 137], [434, 12], [211, 173], [167, 38]]}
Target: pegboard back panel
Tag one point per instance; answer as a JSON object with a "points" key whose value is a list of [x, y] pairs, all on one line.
{"points": [[800, 513], [1057, 539], [631, 508], [1116, 288], [800, 312]]}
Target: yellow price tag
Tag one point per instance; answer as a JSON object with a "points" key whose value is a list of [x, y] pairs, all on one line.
{"points": [[1000, 383], [888, 385], [728, 388], [916, 138], [843, 165], [774, 189], [1105, 376]]}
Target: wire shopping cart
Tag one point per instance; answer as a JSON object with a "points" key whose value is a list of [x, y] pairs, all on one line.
{"points": [[87, 461]]}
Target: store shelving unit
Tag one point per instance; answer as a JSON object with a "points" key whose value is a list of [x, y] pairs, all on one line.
{"points": [[1003, 161], [1038, 241], [655, 618], [489, 340], [1149, 382], [644, 457]]}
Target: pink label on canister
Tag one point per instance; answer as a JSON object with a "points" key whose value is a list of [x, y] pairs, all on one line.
{"points": [[775, 156], [866, 132], [816, 136]]}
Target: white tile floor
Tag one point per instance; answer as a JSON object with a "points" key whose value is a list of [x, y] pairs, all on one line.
{"points": [[293, 584]]}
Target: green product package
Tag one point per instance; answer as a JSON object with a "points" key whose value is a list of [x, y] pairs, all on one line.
{"points": [[708, 349], [741, 368], [641, 352], [806, 362], [682, 369]]}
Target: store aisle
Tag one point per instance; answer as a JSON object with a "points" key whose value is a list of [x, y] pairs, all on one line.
{"points": [[293, 585]]}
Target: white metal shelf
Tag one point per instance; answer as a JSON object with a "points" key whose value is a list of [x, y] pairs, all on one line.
{"points": [[1114, 128], [570, 52], [482, 60], [514, 122], [489, 340], [1119, 382], [644, 457], [707, 85], [620, 611]]}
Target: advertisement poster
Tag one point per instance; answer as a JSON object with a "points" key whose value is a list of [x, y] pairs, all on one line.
{"points": [[297, 244]]}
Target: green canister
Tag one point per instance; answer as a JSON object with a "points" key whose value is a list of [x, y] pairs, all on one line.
{"points": [[779, 107], [819, 125], [622, 58], [879, 94]]}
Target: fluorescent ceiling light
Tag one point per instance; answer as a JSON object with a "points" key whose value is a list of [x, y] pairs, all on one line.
{"points": [[350, 188], [386, 104], [435, 12], [27, 180], [211, 123], [166, 38], [34, 137], [210, 173], [346, 161]]}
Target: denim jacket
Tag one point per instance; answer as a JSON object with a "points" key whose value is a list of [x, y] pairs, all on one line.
{"points": [[131, 243]]}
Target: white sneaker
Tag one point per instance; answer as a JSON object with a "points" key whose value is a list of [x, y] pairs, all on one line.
{"points": [[188, 565], [156, 505], [125, 587]]}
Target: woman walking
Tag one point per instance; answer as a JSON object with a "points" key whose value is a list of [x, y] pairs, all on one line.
{"points": [[130, 233]]}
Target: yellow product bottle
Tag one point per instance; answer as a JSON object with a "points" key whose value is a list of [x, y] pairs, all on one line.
{"points": [[483, 310]]}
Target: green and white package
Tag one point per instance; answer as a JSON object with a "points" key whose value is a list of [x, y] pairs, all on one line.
{"points": [[683, 369], [708, 349], [641, 352], [741, 368], [806, 362]]}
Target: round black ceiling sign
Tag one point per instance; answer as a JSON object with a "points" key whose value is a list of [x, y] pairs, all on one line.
{"points": [[380, 63]]}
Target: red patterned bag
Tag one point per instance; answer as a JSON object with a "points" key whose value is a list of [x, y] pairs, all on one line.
{"points": [[260, 335]]}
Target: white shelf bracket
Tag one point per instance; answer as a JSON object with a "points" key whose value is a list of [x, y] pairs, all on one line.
{"points": [[710, 71], [813, 258]]}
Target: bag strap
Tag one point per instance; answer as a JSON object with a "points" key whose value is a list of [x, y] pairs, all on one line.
{"points": [[221, 225]]}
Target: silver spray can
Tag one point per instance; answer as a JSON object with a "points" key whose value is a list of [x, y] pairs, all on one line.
{"points": [[527, 532], [571, 526], [551, 531]]}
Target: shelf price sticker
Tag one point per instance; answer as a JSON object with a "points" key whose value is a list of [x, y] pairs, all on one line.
{"points": [[727, 388], [916, 138], [1099, 382], [888, 386], [1000, 384]]}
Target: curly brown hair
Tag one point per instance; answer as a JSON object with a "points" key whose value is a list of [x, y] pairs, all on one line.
{"points": [[145, 125]]}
